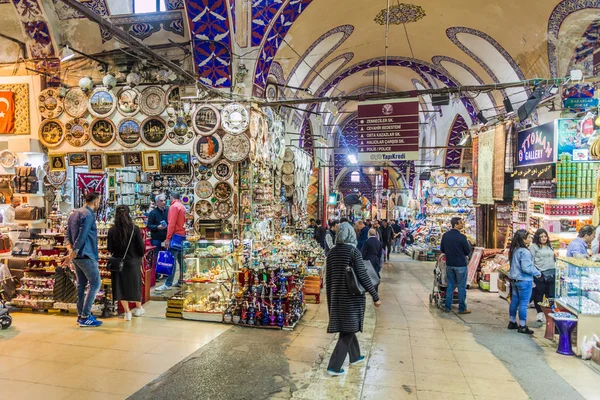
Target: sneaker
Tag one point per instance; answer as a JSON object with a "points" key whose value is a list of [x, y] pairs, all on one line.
{"points": [[444, 309], [90, 321], [513, 325], [525, 330], [359, 361], [162, 288], [335, 373], [176, 285], [465, 312], [138, 312], [127, 316], [541, 317]]}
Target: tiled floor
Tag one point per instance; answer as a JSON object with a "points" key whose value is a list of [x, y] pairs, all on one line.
{"points": [[50, 357]]}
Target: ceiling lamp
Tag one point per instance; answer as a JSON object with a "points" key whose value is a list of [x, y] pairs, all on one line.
{"points": [[400, 14], [66, 54], [352, 158]]}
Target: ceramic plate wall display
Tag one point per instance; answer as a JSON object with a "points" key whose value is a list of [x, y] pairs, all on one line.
{"points": [[252, 154], [208, 149], [49, 104], [460, 193], [256, 124], [152, 100], [462, 181], [128, 101], [445, 202], [102, 103], [57, 178], [128, 134], [173, 97], [433, 190], [102, 132], [451, 193], [154, 131], [270, 116], [289, 155], [441, 178], [454, 202], [77, 132], [52, 133], [288, 168], [451, 181], [76, 102], [184, 180], [441, 192], [187, 199], [469, 192], [179, 129], [8, 159], [288, 190], [236, 147], [276, 147], [234, 118], [223, 170], [206, 119], [463, 202], [223, 209], [201, 171], [223, 191], [203, 189], [287, 180], [204, 209]]}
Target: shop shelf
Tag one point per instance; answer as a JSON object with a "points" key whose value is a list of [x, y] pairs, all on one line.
{"points": [[569, 217], [562, 201]]}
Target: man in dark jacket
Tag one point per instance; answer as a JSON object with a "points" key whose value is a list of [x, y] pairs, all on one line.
{"points": [[456, 248], [386, 233], [320, 234], [397, 232], [157, 223], [372, 250], [362, 234]]}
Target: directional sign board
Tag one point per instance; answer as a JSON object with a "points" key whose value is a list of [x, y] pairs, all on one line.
{"points": [[388, 130]]}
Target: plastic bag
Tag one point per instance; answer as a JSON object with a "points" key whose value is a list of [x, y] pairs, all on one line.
{"points": [[586, 348], [165, 263]]}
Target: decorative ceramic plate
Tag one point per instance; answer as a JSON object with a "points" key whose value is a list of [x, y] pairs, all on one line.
{"points": [[103, 132], [234, 118], [441, 192], [223, 170], [451, 193], [52, 133], [206, 119], [454, 202], [154, 131], [187, 199], [463, 202], [289, 155], [152, 100], [256, 124], [223, 191], [462, 181], [173, 96], [287, 180], [75, 102], [445, 202], [270, 116], [433, 190], [441, 178], [277, 147], [279, 128], [8, 159], [77, 132], [204, 209], [460, 193], [451, 181], [223, 209], [288, 168], [469, 192], [271, 92], [236, 147], [184, 180], [49, 104], [437, 200], [54, 178], [102, 103], [203, 189], [208, 149], [201, 171], [128, 101], [288, 191], [128, 134], [179, 129]]}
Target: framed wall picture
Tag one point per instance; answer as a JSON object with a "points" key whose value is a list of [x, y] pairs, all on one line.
{"points": [[57, 162], [77, 159], [175, 163], [133, 159], [96, 162], [112, 196], [112, 181], [114, 160], [150, 161]]}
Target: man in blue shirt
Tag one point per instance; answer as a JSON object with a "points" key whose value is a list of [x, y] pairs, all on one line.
{"points": [[82, 239], [456, 248], [579, 246], [362, 234], [157, 223]]}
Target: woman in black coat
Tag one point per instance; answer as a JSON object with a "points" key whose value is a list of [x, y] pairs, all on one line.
{"points": [[127, 284], [346, 311], [372, 250]]}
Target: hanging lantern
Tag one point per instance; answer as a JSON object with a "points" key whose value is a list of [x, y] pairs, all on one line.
{"points": [[86, 84], [133, 79], [109, 81]]}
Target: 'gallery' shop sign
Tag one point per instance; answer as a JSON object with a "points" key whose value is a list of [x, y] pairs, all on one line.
{"points": [[537, 145]]}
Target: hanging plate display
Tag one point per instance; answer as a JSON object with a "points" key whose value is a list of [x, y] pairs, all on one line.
{"points": [[445, 202], [287, 180], [277, 147], [75, 102], [223, 209], [236, 147], [441, 192], [54, 178], [204, 209], [451, 193], [179, 129], [270, 116], [469, 192], [152, 100], [203, 189], [103, 132], [52, 133], [77, 132], [154, 131], [463, 202], [437, 200], [102, 103], [184, 180], [128, 134], [288, 168], [234, 118], [173, 97], [187, 199], [256, 123], [279, 128], [289, 155], [451, 181], [252, 154], [223, 191], [462, 181], [440, 179], [201, 171], [208, 149], [454, 202], [460, 193], [223, 170], [433, 190], [8, 159], [49, 104], [288, 190], [206, 119], [128, 101]]}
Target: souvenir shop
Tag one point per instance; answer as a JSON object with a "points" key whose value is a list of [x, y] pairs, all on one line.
{"points": [[247, 260]]}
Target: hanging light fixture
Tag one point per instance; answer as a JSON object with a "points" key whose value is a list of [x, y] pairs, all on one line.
{"points": [[66, 54]]}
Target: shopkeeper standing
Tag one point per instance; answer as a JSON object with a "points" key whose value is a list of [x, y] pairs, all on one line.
{"points": [[9, 213], [579, 246], [157, 223]]}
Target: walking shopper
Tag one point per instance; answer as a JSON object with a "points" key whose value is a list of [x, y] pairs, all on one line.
{"points": [[387, 236], [372, 250], [579, 246], [175, 226], [346, 310], [544, 261], [363, 233], [157, 223], [330, 236], [320, 233], [456, 248], [82, 239], [397, 232], [125, 241], [521, 276]]}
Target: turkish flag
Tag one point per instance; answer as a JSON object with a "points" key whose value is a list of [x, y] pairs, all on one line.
{"points": [[7, 112], [386, 178]]}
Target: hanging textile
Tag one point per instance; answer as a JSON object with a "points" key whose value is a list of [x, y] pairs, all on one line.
{"points": [[499, 149], [7, 112], [475, 162], [485, 164], [87, 183], [511, 137]]}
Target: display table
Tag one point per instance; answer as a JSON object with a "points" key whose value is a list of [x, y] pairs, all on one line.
{"points": [[587, 325]]}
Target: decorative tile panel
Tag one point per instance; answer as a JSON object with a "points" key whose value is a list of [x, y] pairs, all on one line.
{"points": [[263, 12]]}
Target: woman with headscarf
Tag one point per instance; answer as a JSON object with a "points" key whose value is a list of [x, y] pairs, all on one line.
{"points": [[346, 310]]}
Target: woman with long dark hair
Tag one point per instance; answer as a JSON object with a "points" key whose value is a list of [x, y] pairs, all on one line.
{"points": [[521, 276], [544, 261], [127, 284]]}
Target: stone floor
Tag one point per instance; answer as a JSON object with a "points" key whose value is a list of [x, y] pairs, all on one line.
{"points": [[413, 352]]}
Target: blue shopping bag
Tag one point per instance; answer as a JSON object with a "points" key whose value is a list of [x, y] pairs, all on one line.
{"points": [[165, 263], [177, 242]]}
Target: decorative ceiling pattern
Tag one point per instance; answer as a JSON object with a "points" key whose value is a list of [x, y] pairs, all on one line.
{"points": [[263, 12], [145, 25], [583, 57], [36, 28], [399, 14], [65, 12], [346, 57], [174, 4], [453, 156]]}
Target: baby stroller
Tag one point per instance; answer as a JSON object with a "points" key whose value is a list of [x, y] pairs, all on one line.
{"points": [[438, 294], [5, 318], [7, 291]]}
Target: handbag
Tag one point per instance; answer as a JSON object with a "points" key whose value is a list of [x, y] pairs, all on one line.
{"points": [[165, 263], [116, 264], [372, 273], [176, 242], [354, 285], [548, 275], [65, 288]]}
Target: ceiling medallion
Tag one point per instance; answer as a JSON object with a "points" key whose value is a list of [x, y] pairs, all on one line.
{"points": [[400, 13]]}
